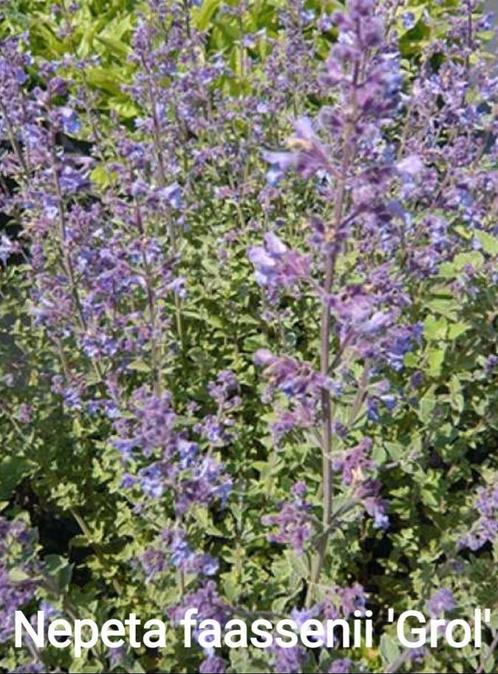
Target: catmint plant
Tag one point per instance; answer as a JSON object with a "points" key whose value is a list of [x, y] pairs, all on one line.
{"points": [[389, 190], [248, 325]]}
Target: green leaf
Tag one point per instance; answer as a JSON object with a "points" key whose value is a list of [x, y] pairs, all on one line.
{"points": [[101, 176], [232, 586], [435, 328], [389, 649], [444, 307], [395, 450], [139, 366], [450, 270], [427, 496], [456, 397], [426, 407], [457, 329], [13, 469], [298, 564], [488, 242], [435, 359], [114, 46], [19, 576], [379, 455], [109, 79], [475, 259], [59, 572], [205, 13]]}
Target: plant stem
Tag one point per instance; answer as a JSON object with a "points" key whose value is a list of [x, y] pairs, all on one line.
{"points": [[326, 404], [151, 302], [67, 263], [66, 257], [162, 184], [14, 142]]}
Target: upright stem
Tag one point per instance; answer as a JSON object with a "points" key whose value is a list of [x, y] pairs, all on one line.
{"points": [[162, 182], [66, 260], [66, 257], [14, 142], [326, 404], [151, 302], [469, 36], [186, 12]]}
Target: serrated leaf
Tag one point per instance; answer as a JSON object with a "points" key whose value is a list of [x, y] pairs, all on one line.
{"points": [[435, 328], [444, 307], [488, 242]]}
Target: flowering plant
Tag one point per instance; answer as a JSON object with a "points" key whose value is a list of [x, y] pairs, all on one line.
{"points": [[249, 329]]}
